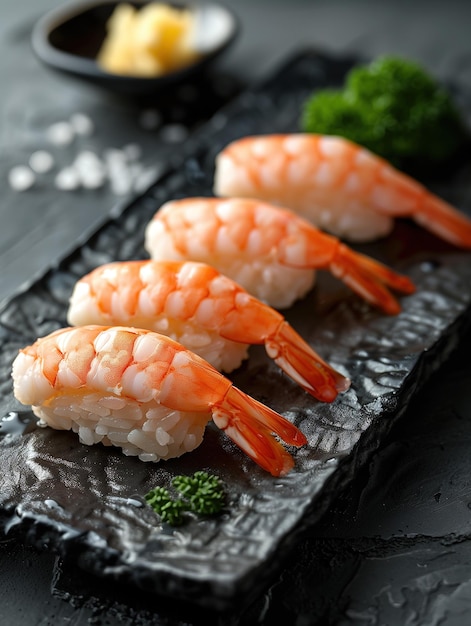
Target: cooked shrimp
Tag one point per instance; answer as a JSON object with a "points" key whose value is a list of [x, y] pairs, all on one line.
{"points": [[338, 185], [144, 393], [269, 251], [205, 311]]}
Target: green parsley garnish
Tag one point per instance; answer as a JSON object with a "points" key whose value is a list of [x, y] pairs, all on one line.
{"points": [[201, 493], [394, 108]]}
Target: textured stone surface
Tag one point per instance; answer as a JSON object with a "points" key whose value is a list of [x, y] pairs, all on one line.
{"points": [[84, 502]]}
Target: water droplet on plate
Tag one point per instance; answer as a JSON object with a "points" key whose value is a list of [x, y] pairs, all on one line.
{"points": [[14, 423], [429, 266], [52, 504]]}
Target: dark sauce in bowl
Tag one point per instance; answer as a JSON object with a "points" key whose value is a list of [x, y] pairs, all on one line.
{"points": [[69, 39]]}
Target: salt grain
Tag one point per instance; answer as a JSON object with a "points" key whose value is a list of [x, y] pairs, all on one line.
{"points": [[67, 179], [41, 161], [87, 160], [90, 169], [174, 133], [114, 157], [120, 169], [93, 179], [82, 124], [60, 134], [21, 178], [132, 151], [121, 185]]}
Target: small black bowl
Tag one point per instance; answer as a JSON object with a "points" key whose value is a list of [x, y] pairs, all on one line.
{"points": [[69, 38]]}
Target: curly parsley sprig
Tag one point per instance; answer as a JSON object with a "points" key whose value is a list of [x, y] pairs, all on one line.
{"points": [[394, 107], [169, 509], [201, 493]]}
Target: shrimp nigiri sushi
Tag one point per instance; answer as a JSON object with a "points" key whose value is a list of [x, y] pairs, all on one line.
{"points": [[270, 251], [336, 184], [145, 393], [205, 311]]}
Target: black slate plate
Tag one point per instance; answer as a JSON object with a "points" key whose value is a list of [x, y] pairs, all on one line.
{"points": [[86, 503]]}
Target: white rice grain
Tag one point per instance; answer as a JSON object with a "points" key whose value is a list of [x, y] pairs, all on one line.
{"points": [[149, 431], [148, 458], [86, 436], [162, 436]]}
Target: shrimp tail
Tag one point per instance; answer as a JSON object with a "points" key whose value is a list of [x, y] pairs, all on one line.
{"points": [[250, 424], [445, 221], [370, 279], [301, 363]]}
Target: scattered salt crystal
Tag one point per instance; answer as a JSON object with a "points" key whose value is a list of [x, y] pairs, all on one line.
{"points": [[121, 169], [145, 178], [119, 172], [60, 133], [135, 168], [87, 159], [92, 179], [150, 119], [114, 157], [132, 151], [67, 179], [21, 178], [82, 124], [87, 162], [121, 185], [91, 170], [41, 161], [174, 133]]}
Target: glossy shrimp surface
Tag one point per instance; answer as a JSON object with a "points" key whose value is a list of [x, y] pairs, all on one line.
{"points": [[338, 185], [143, 372], [270, 251], [208, 312]]}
